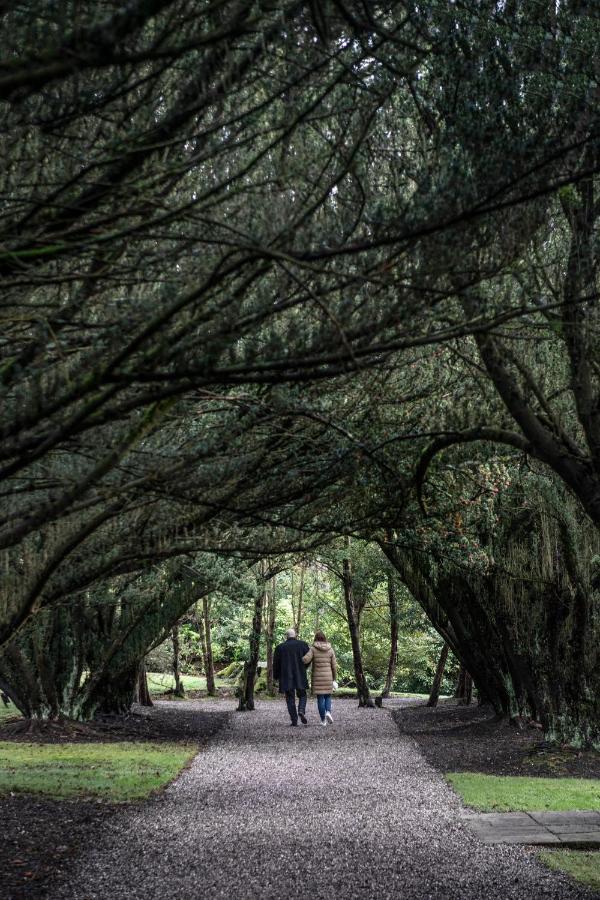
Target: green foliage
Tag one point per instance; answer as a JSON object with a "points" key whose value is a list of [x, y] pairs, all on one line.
{"points": [[495, 793], [114, 772], [230, 329], [582, 865]]}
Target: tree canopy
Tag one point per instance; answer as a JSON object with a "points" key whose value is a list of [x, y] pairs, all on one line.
{"points": [[280, 274]]}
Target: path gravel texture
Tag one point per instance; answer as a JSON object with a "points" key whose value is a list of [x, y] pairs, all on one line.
{"points": [[268, 811]]}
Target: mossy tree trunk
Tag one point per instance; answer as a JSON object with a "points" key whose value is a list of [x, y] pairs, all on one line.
{"points": [[526, 629], [77, 660]]}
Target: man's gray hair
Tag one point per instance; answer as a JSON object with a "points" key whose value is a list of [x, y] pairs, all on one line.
{"points": [[291, 632]]}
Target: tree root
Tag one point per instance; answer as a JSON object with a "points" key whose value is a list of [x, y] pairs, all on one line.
{"points": [[49, 730]]}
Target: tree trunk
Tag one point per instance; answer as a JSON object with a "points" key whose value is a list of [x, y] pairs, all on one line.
{"points": [[143, 691], [298, 618], [434, 696], [113, 693], [203, 649], [464, 687], [246, 699], [362, 688], [209, 666], [179, 691], [393, 605], [270, 633], [468, 696]]}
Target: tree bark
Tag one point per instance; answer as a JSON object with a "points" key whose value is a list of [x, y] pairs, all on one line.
{"points": [[393, 605], [362, 688], [464, 686], [209, 665], [434, 696], [246, 699], [270, 633], [143, 691], [114, 694], [179, 691], [298, 618]]}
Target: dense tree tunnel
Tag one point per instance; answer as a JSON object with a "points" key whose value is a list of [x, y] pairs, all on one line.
{"points": [[301, 288]]}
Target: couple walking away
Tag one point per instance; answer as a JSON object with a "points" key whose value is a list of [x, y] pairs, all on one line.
{"points": [[290, 662]]}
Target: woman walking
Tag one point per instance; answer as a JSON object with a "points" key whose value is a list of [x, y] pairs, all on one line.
{"points": [[324, 670]]}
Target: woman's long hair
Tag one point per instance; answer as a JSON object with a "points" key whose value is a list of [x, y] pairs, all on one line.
{"points": [[319, 638]]}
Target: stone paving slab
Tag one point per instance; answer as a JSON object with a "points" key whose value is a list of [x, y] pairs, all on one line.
{"points": [[569, 821], [577, 828]]}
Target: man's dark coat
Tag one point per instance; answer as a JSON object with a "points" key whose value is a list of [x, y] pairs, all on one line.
{"points": [[288, 667]]}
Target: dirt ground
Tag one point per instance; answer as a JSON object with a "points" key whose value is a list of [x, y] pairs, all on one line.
{"points": [[41, 837], [457, 738]]}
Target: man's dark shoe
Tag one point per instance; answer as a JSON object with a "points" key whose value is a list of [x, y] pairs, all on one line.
{"points": [[303, 718], [292, 724]]}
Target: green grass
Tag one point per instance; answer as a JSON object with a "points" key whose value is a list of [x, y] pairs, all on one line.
{"points": [[493, 793], [115, 772], [582, 865], [159, 682]]}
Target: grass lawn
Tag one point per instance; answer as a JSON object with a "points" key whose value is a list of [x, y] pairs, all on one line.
{"points": [[494, 793], [582, 865], [115, 772], [159, 682]]}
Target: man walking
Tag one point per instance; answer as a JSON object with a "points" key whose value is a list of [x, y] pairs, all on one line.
{"points": [[290, 672]]}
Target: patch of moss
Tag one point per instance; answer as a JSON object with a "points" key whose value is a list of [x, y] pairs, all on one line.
{"points": [[8, 712]]}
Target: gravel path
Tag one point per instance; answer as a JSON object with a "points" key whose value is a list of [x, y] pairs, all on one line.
{"points": [[269, 811]]}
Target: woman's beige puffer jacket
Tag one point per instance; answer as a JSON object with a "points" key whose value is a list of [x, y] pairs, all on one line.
{"points": [[324, 666]]}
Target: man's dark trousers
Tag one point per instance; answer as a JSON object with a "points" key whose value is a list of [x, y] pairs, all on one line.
{"points": [[290, 672], [290, 699]]}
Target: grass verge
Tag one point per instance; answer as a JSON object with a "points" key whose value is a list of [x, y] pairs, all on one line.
{"points": [[495, 793], [116, 772], [582, 865]]}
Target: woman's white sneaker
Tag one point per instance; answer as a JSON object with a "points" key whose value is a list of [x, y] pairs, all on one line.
{"points": [[329, 717], [324, 722]]}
